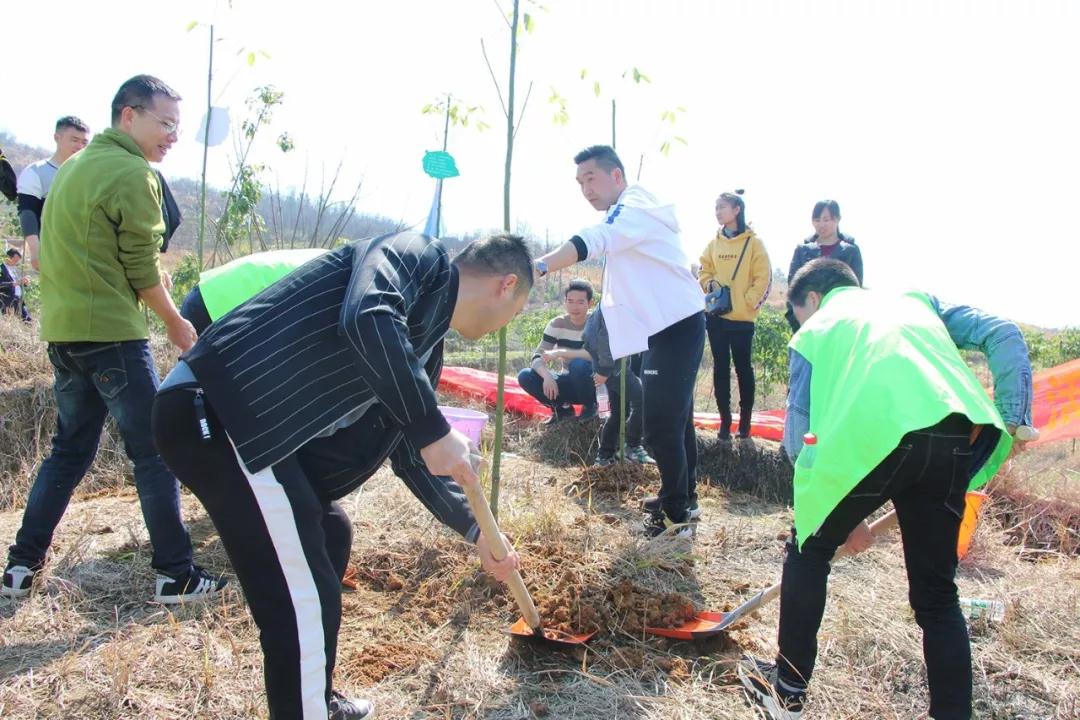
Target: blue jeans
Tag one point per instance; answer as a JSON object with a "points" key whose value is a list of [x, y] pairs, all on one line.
{"points": [[92, 380], [575, 385]]}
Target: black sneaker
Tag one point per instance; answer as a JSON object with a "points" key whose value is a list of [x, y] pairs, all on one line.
{"points": [[657, 524], [651, 504], [761, 682], [193, 587], [342, 708], [17, 581], [587, 412], [604, 461]]}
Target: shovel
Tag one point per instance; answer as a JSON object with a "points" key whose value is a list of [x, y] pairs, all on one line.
{"points": [[529, 625], [707, 624]]}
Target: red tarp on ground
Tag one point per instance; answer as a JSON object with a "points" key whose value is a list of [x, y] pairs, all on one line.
{"points": [[483, 385], [1055, 407]]}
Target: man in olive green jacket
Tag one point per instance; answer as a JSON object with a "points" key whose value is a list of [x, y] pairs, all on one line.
{"points": [[100, 237]]}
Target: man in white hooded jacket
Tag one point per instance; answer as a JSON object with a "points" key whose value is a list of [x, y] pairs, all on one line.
{"points": [[650, 302]]}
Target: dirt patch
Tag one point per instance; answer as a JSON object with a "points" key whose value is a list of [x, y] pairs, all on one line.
{"points": [[372, 662], [431, 582]]}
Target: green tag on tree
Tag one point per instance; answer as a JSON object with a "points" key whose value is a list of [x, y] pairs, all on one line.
{"points": [[440, 164]]}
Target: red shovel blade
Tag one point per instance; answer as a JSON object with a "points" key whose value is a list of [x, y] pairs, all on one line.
{"points": [[702, 625], [522, 629]]}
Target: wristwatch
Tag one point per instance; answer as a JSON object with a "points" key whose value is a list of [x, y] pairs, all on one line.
{"points": [[541, 268]]}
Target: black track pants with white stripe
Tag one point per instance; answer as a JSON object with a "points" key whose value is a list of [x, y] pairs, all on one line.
{"points": [[272, 526]]}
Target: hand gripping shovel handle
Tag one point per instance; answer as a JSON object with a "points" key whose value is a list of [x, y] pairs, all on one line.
{"points": [[878, 528], [490, 528]]}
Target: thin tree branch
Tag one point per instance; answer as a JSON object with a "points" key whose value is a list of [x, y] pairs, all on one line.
{"points": [[498, 89], [521, 115], [502, 14]]}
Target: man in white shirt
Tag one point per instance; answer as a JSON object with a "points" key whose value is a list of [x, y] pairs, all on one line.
{"points": [[652, 302], [71, 136]]}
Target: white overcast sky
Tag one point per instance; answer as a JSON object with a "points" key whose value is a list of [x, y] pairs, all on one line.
{"points": [[946, 129]]}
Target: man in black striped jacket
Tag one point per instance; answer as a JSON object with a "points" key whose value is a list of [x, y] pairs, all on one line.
{"points": [[335, 365]]}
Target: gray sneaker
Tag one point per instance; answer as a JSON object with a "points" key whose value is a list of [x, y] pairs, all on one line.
{"points": [[638, 455], [17, 581], [342, 708], [602, 461]]}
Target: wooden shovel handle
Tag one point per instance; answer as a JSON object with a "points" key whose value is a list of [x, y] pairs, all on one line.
{"points": [[499, 550], [878, 528]]}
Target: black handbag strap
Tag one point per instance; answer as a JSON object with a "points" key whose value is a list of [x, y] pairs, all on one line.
{"points": [[744, 246]]}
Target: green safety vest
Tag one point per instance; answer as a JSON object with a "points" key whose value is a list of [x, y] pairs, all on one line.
{"points": [[228, 285], [883, 364]]}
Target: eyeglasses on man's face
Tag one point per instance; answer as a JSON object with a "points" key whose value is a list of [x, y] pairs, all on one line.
{"points": [[169, 127]]}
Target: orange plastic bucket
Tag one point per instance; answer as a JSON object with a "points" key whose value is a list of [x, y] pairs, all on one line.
{"points": [[972, 506]]}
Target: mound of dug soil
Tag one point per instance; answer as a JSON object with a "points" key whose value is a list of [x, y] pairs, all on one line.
{"points": [[636, 609], [567, 443], [592, 596], [756, 468], [620, 478]]}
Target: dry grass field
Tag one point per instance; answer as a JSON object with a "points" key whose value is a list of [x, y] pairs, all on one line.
{"points": [[424, 633]]}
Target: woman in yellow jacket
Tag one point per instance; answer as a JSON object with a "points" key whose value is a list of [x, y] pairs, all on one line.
{"points": [[736, 257]]}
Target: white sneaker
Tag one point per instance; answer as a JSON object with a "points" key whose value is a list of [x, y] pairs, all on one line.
{"points": [[17, 581]]}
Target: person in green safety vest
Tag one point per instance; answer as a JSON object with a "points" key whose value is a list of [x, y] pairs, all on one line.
{"points": [[889, 411], [222, 288]]}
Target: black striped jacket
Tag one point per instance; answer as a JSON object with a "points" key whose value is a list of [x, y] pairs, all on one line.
{"points": [[343, 330]]}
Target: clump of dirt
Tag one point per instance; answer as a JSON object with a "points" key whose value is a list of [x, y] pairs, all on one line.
{"points": [[571, 606], [634, 609], [370, 663], [578, 592]]}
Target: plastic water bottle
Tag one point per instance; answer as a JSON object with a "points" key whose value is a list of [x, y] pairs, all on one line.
{"points": [[809, 450], [603, 402], [975, 608]]}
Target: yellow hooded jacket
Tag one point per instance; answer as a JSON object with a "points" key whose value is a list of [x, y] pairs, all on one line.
{"points": [[751, 285]]}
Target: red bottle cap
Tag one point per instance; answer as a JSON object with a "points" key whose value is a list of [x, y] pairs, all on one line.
{"points": [[809, 439]]}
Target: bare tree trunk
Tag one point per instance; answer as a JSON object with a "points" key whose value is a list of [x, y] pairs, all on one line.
{"points": [[500, 403]]}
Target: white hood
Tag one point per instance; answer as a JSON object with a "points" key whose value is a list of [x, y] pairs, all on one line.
{"points": [[648, 285]]}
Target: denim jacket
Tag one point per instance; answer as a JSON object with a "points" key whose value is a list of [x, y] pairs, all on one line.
{"points": [[999, 340]]}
